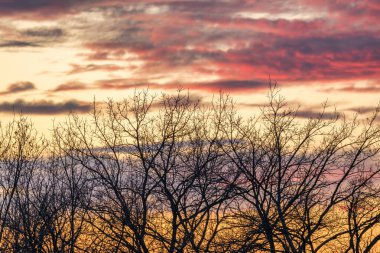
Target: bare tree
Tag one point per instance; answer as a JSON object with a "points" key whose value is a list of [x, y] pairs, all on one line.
{"points": [[21, 155], [170, 174], [299, 174]]}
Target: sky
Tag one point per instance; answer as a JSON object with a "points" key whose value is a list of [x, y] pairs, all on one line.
{"points": [[57, 56]]}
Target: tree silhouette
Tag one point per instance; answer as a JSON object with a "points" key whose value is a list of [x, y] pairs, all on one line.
{"points": [[169, 174]]}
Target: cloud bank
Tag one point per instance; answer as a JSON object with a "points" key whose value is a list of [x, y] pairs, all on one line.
{"points": [[44, 107], [204, 45]]}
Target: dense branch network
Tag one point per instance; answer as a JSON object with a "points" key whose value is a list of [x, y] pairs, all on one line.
{"points": [[167, 174]]}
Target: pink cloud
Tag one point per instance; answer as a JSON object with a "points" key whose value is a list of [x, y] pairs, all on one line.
{"points": [[337, 41]]}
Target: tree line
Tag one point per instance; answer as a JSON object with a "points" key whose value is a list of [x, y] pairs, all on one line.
{"points": [[167, 174]]}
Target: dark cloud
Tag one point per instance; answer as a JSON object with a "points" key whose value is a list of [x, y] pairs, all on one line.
{"points": [[181, 99], [18, 87], [363, 109], [338, 43], [236, 85], [24, 4], [16, 43], [311, 114], [44, 32], [214, 86], [41, 9], [44, 107], [26, 38]]}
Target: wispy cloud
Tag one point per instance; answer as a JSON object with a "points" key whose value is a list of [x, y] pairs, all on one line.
{"points": [[371, 87], [76, 68], [18, 87], [70, 86]]}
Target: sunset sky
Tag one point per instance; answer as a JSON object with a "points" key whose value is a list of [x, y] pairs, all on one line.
{"points": [[56, 56]]}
